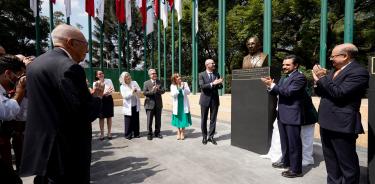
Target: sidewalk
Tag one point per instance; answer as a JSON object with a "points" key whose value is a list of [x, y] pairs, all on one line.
{"points": [[169, 161]]}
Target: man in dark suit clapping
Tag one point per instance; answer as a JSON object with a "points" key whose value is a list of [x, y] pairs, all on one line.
{"points": [[341, 91], [209, 82], [57, 144], [153, 90], [291, 91]]}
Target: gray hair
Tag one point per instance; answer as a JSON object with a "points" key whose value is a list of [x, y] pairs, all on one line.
{"points": [[121, 79], [350, 49], [208, 61], [150, 70]]}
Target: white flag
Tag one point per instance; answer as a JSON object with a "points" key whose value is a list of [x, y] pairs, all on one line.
{"points": [[34, 6], [164, 12], [67, 8], [150, 18], [101, 10], [178, 8], [128, 13], [196, 15]]}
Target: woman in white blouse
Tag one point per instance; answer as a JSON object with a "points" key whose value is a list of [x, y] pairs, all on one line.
{"points": [[107, 103], [130, 92], [181, 117]]}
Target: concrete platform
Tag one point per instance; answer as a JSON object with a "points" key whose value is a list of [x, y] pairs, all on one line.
{"points": [[170, 161]]}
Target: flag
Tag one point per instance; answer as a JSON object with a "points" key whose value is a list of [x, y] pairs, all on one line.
{"points": [[128, 13], [90, 8], [34, 6], [120, 10], [67, 8], [196, 15], [164, 12], [170, 3], [142, 8], [150, 18], [178, 8], [100, 11], [53, 1], [156, 8]]}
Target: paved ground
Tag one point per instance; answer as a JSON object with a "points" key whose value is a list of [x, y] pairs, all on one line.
{"points": [[169, 161]]}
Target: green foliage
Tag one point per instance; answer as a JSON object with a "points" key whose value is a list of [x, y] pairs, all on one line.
{"points": [[17, 28]]}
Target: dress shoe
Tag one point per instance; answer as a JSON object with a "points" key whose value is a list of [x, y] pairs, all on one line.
{"points": [[149, 137], [279, 165], [159, 136], [212, 140], [109, 137], [291, 174], [129, 137], [137, 136], [204, 140]]}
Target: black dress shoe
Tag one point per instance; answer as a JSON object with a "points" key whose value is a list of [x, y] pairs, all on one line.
{"points": [[159, 136], [137, 136], [149, 137], [204, 140], [279, 165], [212, 140], [291, 174], [129, 137]]}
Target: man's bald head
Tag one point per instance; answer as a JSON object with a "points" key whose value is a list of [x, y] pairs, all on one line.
{"points": [[347, 48], [65, 32]]}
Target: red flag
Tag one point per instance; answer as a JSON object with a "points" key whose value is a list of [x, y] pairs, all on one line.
{"points": [[53, 1], [171, 3], [90, 8], [143, 9], [120, 10], [156, 8]]}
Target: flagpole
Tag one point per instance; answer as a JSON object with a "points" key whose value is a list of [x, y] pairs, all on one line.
{"points": [[179, 47], [159, 44], [165, 58], [127, 49], [51, 25], [145, 50], [193, 47], [196, 50], [101, 45], [90, 50], [173, 47], [119, 46], [152, 49], [37, 30]]}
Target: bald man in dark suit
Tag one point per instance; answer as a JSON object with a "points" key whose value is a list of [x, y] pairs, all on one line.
{"points": [[341, 91]]}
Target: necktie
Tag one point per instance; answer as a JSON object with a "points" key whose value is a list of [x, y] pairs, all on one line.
{"points": [[336, 73], [210, 75]]}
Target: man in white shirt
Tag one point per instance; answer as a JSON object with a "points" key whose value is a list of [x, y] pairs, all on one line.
{"points": [[11, 78]]}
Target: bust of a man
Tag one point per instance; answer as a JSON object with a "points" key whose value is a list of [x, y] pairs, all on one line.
{"points": [[255, 58]]}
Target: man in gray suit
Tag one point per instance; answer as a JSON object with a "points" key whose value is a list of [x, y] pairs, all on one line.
{"points": [[153, 90], [209, 82]]}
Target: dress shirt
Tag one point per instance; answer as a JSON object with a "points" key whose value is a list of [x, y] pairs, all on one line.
{"points": [[9, 108]]}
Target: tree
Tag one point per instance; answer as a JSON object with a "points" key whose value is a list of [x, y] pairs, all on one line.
{"points": [[17, 25]]}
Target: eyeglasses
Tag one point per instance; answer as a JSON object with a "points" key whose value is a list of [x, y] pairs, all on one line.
{"points": [[153, 73], [333, 56]]}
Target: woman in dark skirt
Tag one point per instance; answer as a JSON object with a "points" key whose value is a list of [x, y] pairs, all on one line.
{"points": [[107, 103]]}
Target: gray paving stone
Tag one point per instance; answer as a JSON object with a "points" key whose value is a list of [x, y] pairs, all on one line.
{"points": [[170, 161]]}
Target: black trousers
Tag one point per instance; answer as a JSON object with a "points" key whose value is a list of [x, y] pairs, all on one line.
{"points": [[291, 146], [132, 123], [339, 150], [150, 117], [213, 108]]}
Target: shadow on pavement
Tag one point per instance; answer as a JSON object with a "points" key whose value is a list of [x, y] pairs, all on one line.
{"points": [[124, 170]]}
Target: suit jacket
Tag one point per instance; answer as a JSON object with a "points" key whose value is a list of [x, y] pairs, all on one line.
{"points": [[153, 98], [341, 99], [291, 93], [209, 93], [60, 111]]}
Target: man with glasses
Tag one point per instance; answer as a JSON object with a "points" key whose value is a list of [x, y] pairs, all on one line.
{"points": [[11, 80], [341, 91], [57, 145], [153, 89], [209, 82]]}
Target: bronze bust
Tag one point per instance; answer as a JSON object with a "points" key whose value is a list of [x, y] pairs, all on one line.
{"points": [[255, 58]]}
